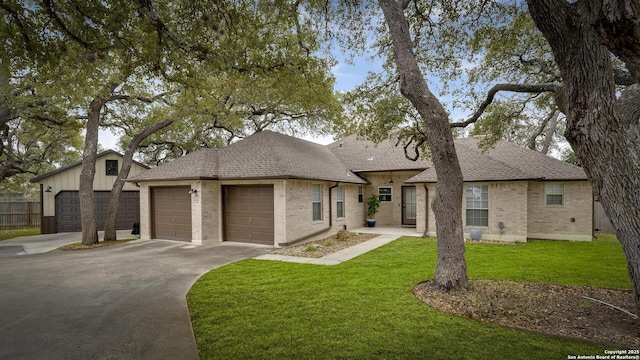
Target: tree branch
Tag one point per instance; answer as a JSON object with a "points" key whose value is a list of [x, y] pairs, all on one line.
{"points": [[521, 88]]}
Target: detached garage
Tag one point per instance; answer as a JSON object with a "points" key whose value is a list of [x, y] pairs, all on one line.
{"points": [[60, 202]]}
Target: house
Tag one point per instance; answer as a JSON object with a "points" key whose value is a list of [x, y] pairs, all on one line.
{"points": [[60, 200], [275, 189]]}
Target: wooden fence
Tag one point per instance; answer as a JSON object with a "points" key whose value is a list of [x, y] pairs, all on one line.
{"points": [[19, 212]]}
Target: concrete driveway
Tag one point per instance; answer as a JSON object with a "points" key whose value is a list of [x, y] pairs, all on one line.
{"points": [[122, 302]]}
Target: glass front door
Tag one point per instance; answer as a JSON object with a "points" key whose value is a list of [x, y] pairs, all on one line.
{"points": [[409, 205]]}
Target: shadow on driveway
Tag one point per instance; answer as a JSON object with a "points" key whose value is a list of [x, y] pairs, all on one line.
{"points": [[122, 302]]}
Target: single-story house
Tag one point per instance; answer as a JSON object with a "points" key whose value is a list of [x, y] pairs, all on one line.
{"points": [[60, 199], [277, 190]]}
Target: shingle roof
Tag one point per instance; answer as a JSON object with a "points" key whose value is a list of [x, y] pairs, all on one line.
{"points": [[506, 161], [263, 155], [270, 155], [78, 163], [363, 156]]}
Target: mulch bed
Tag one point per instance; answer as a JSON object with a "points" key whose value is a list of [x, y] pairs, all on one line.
{"points": [[326, 246], [544, 308]]}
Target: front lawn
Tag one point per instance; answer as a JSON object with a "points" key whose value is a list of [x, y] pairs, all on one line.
{"points": [[364, 308], [7, 234]]}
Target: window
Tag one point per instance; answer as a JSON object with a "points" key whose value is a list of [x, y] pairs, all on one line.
{"points": [[555, 194], [384, 194], [340, 201], [112, 167], [477, 205], [316, 201], [360, 196]]}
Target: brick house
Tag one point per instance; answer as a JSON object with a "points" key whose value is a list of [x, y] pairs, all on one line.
{"points": [[275, 189]]}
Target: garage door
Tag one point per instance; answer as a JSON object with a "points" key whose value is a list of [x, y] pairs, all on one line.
{"points": [[171, 213], [248, 213], [68, 212]]}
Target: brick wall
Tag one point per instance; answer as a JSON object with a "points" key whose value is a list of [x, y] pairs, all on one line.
{"points": [[299, 213], [389, 213], [507, 204], [570, 221], [520, 205]]}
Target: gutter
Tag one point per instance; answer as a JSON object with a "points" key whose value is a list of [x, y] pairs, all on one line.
{"points": [[426, 213], [328, 228]]}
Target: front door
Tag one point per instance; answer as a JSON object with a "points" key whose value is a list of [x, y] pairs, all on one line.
{"points": [[409, 205]]}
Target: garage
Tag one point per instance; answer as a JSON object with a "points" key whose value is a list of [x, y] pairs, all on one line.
{"points": [[248, 213], [68, 214], [171, 213]]}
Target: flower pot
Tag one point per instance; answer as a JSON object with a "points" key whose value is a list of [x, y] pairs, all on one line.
{"points": [[371, 222]]}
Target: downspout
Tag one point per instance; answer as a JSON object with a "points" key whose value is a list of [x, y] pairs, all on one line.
{"points": [[305, 237], [426, 212]]}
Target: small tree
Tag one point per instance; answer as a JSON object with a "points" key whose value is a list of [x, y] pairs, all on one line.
{"points": [[373, 203]]}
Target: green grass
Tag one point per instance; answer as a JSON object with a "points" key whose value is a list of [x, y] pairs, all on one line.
{"points": [[364, 308], [14, 233]]}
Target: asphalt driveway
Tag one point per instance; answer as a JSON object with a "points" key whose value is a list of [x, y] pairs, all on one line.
{"points": [[122, 302]]}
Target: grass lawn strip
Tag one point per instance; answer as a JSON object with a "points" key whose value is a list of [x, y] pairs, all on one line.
{"points": [[364, 308], [7, 234]]}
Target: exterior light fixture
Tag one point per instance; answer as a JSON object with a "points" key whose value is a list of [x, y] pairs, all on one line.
{"points": [[48, 189], [193, 191]]}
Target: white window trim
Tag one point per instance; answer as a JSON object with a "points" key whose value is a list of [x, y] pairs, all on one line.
{"points": [[546, 194], [321, 201], [340, 190], [466, 205], [390, 194]]}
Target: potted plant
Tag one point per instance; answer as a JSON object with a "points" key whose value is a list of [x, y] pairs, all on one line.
{"points": [[373, 202]]}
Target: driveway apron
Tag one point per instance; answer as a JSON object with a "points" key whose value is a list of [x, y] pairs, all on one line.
{"points": [[122, 302]]}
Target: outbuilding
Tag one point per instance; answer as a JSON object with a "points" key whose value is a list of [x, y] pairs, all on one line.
{"points": [[60, 199]]}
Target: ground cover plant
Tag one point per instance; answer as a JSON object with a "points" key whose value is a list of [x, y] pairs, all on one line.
{"points": [[364, 308], [6, 234]]}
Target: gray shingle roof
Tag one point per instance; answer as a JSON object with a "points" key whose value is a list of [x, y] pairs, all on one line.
{"points": [[270, 155], [506, 161], [263, 155], [362, 155]]}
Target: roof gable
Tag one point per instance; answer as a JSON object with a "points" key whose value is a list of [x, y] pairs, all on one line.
{"points": [[78, 163], [361, 155], [263, 155]]}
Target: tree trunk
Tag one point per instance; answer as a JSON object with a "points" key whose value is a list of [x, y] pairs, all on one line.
{"points": [[603, 130], [551, 130], [114, 200], [451, 268], [87, 174]]}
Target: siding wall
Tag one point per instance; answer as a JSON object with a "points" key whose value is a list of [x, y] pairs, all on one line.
{"points": [[70, 180]]}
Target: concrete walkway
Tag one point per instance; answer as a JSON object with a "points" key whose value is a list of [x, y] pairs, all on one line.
{"points": [[387, 235]]}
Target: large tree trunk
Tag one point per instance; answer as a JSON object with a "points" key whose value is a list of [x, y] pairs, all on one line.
{"points": [[451, 268], [114, 200], [603, 130], [87, 174]]}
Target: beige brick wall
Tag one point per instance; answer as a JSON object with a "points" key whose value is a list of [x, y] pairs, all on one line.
{"points": [[521, 207], [299, 213], [508, 204], [389, 213], [570, 221]]}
